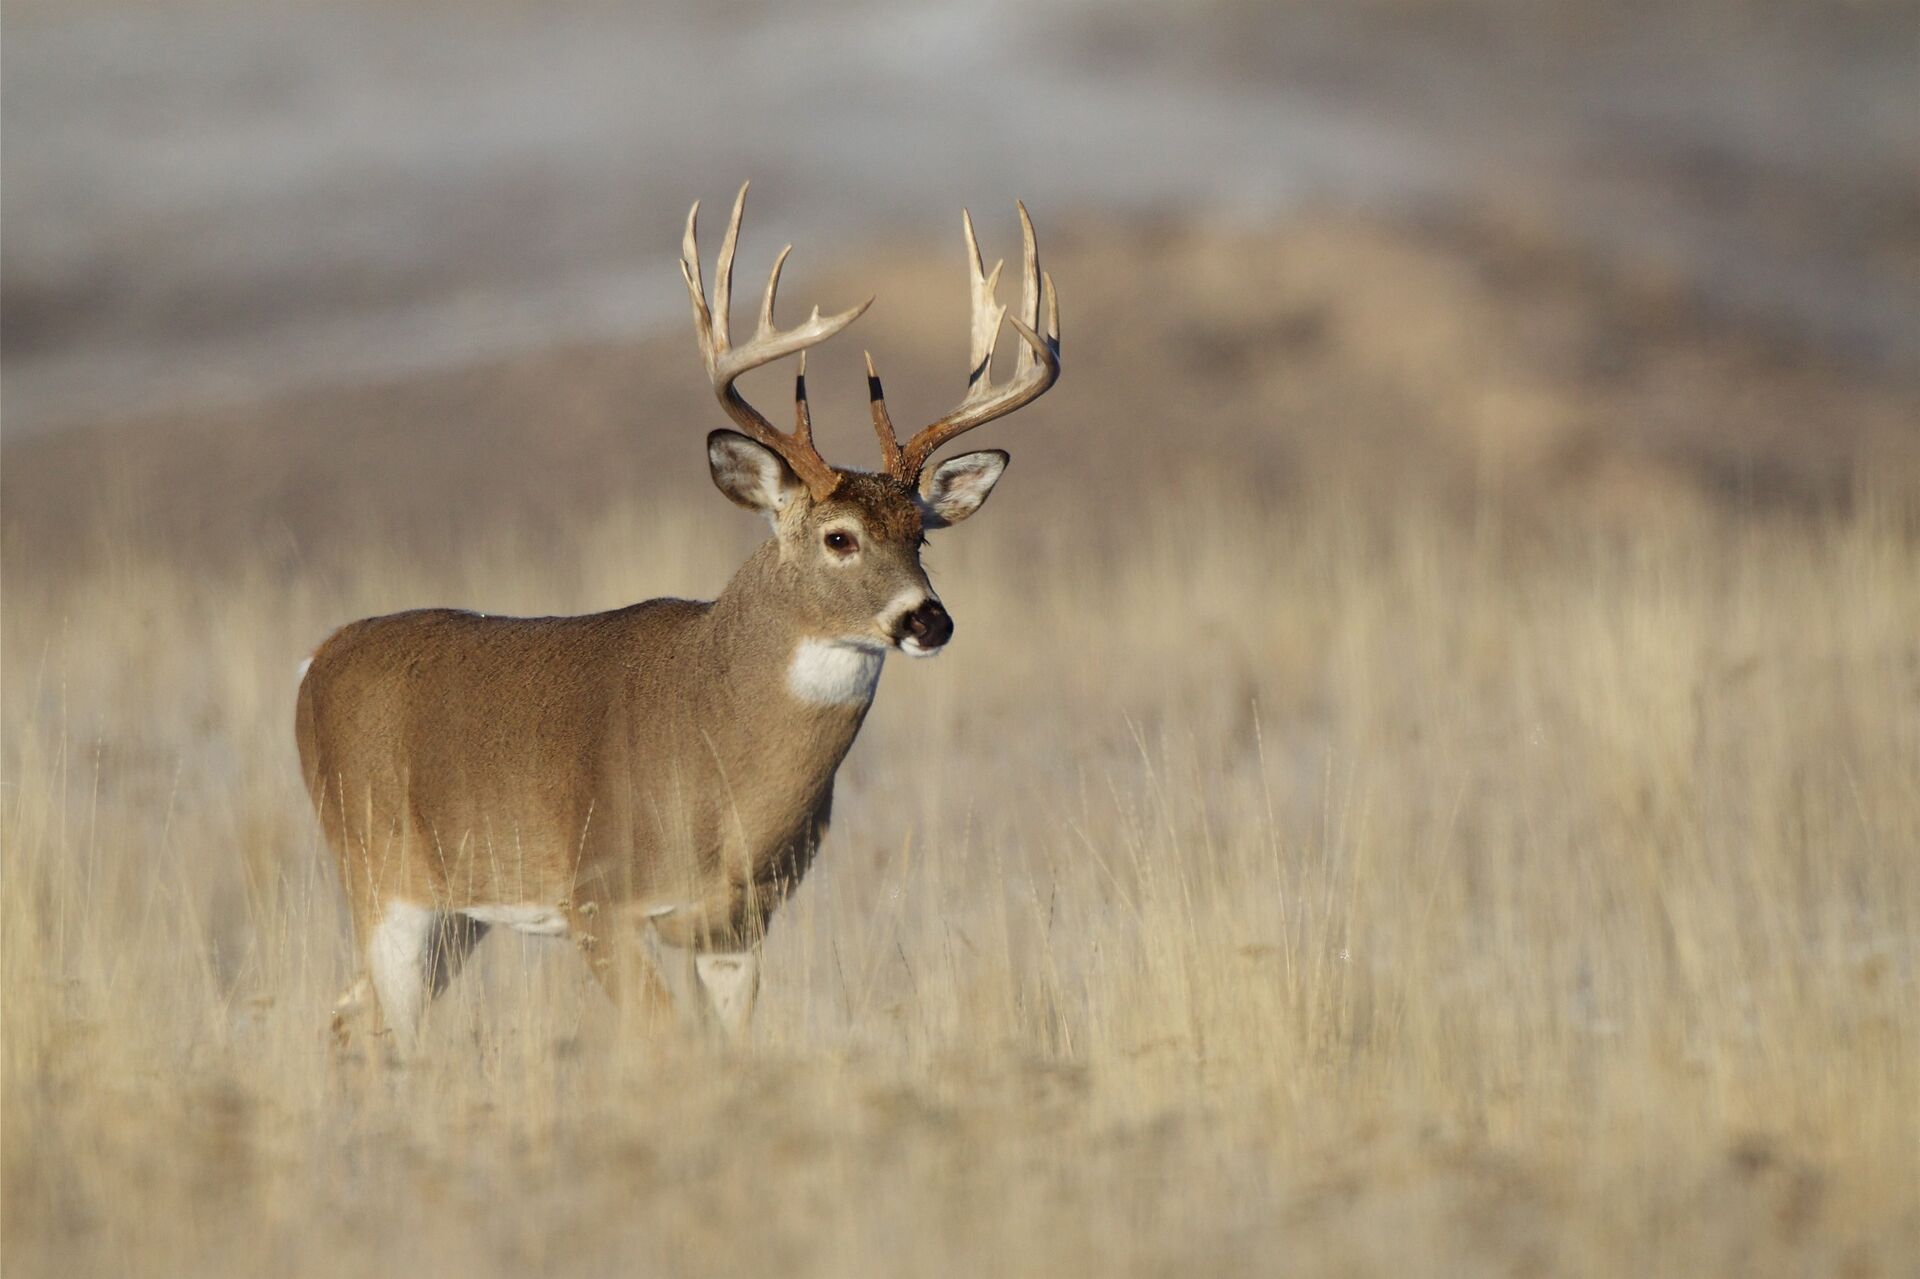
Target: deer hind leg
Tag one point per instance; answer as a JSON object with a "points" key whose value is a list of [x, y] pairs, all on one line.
{"points": [[412, 953]]}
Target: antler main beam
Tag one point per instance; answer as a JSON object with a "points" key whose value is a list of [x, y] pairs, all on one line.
{"points": [[726, 362], [1036, 369]]}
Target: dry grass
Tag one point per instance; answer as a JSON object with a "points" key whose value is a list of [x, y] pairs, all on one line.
{"points": [[1432, 828], [1305, 889]]}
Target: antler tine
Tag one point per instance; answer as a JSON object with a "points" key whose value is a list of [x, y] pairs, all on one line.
{"points": [[1042, 343], [726, 363], [696, 287], [982, 285], [1034, 373], [1029, 286], [882, 420], [802, 412], [723, 269], [766, 303]]}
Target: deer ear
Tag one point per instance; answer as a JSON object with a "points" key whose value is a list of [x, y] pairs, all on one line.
{"points": [[956, 488], [751, 474]]}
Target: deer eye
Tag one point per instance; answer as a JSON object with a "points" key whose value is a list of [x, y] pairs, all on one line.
{"points": [[841, 542]]}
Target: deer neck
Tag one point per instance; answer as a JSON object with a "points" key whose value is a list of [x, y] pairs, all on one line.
{"points": [[793, 672]]}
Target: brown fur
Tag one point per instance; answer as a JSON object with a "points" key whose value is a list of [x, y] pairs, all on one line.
{"points": [[616, 765]]}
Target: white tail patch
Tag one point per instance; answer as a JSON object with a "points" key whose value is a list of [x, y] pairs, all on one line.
{"points": [[835, 672], [300, 671]]}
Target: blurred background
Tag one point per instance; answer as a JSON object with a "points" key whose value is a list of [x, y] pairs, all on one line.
{"points": [[1426, 767], [236, 219]]}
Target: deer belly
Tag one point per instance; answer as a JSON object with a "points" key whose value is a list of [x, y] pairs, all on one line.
{"points": [[731, 917], [522, 917]]}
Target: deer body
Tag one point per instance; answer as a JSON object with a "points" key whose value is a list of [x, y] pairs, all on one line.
{"points": [[662, 772]]}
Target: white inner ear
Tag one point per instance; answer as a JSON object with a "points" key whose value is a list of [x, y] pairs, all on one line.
{"points": [[751, 475], [957, 488]]}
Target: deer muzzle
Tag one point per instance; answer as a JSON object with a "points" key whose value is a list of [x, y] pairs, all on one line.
{"points": [[925, 630]]}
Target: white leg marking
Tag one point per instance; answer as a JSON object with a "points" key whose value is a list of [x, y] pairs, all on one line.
{"points": [[525, 917], [835, 672], [731, 982], [397, 961]]}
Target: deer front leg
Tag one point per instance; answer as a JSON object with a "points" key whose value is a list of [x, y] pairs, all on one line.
{"points": [[731, 982]]}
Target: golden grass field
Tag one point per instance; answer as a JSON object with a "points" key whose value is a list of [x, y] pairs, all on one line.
{"points": [[1427, 781]]}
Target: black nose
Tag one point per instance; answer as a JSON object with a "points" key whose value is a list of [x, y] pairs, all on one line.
{"points": [[927, 625]]}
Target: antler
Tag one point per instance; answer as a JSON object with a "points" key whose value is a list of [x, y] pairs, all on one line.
{"points": [[726, 362], [1035, 371]]}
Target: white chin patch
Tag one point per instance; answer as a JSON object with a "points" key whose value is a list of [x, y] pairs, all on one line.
{"points": [[914, 648], [835, 672]]}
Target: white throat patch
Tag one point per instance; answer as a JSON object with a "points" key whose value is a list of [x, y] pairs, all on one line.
{"points": [[835, 672]]}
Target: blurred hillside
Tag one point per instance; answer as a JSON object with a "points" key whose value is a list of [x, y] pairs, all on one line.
{"points": [[1476, 366], [209, 204]]}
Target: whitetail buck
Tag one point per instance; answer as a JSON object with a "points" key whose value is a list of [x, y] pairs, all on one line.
{"points": [[665, 768]]}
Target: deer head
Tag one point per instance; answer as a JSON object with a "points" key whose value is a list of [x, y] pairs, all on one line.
{"points": [[850, 540]]}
